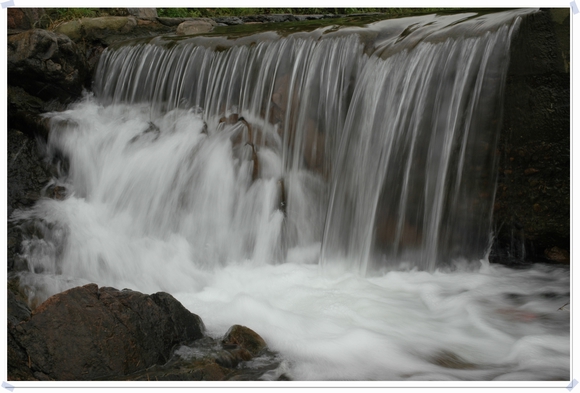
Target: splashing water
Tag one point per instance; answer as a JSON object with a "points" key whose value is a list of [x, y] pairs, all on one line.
{"points": [[312, 191]]}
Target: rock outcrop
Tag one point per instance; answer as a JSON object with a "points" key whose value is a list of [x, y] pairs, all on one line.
{"points": [[532, 205], [47, 65], [92, 333], [89, 333], [46, 72]]}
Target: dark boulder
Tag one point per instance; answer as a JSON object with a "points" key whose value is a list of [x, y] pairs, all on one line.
{"points": [[25, 110], [28, 174], [47, 65], [89, 333]]}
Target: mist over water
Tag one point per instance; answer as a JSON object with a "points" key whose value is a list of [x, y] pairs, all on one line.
{"points": [[345, 218]]}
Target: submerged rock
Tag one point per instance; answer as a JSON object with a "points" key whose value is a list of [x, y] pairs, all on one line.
{"points": [[449, 359], [89, 333], [241, 355]]}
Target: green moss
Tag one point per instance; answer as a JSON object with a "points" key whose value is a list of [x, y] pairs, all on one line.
{"points": [[76, 13]]}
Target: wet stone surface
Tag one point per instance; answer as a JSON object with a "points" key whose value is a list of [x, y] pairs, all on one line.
{"points": [[211, 359], [27, 175]]}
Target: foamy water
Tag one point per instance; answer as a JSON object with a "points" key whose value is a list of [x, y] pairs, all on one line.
{"points": [[174, 208]]}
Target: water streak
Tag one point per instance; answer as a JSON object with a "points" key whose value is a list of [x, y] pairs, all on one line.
{"points": [[386, 139]]}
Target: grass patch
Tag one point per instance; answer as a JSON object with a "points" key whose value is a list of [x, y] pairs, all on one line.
{"points": [[56, 16], [217, 12]]}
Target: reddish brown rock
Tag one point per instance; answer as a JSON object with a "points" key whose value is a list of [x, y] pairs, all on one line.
{"points": [[245, 338], [89, 333], [26, 18], [557, 254], [17, 19]]}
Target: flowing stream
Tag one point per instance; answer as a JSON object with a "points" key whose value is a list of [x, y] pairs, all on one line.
{"points": [[332, 190]]}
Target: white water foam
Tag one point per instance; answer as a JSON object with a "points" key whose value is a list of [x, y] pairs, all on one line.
{"points": [[175, 209]]}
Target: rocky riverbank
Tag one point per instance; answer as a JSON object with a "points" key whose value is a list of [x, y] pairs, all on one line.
{"points": [[91, 333]]}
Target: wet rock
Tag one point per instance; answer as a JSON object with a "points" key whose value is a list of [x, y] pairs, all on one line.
{"points": [[210, 359], [556, 254], [89, 333], [196, 26], [98, 33], [277, 18], [449, 359], [56, 192], [152, 131], [255, 162], [530, 171], [389, 231], [232, 356], [143, 13], [172, 22], [229, 20], [17, 310], [47, 65], [536, 133], [282, 196], [97, 29], [19, 368], [27, 175], [313, 149], [239, 344], [245, 338], [25, 110], [233, 118]]}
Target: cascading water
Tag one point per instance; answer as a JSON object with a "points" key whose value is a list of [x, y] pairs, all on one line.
{"points": [[316, 187]]}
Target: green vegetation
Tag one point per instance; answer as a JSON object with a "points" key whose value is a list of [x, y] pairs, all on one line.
{"points": [[59, 15], [215, 12], [75, 13]]}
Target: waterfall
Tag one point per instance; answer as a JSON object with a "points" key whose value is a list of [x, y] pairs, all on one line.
{"points": [[397, 140], [332, 189]]}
